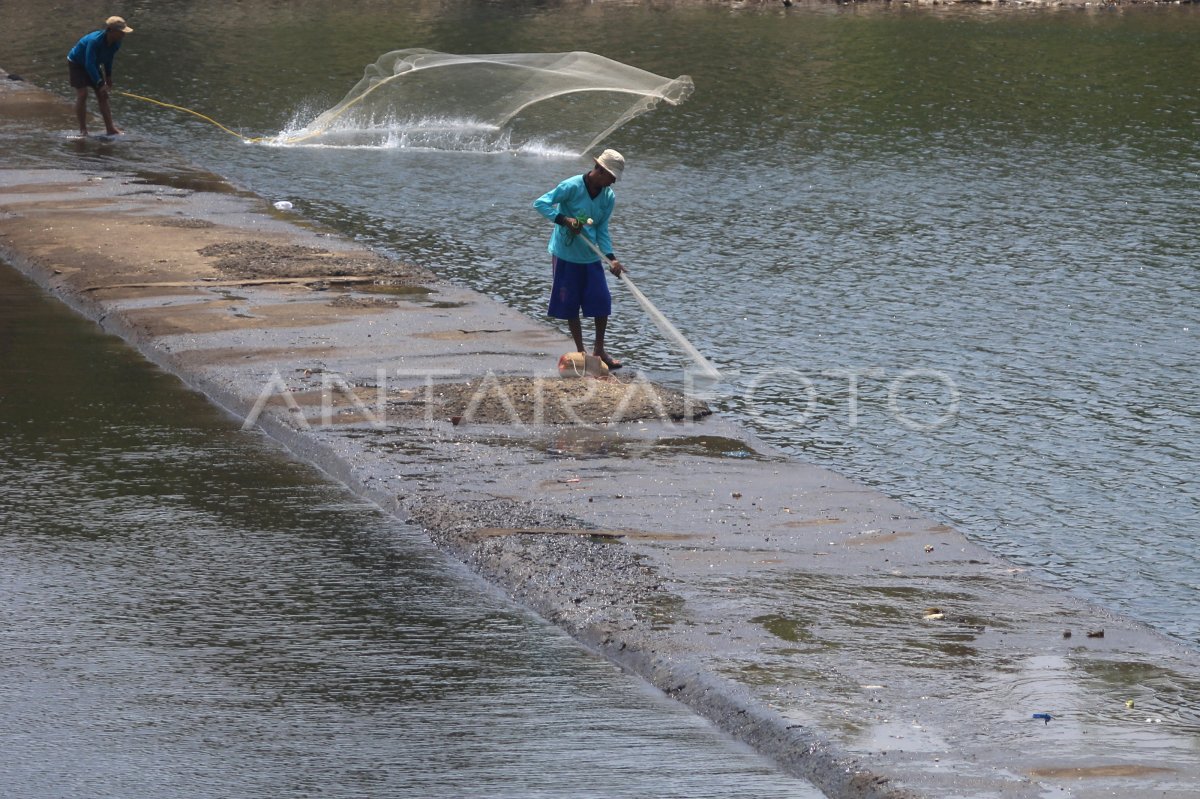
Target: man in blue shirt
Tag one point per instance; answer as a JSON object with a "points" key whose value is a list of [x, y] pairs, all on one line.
{"points": [[581, 206], [84, 66]]}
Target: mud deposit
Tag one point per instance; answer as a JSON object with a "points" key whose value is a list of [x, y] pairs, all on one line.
{"points": [[578, 579], [261, 259], [553, 401], [185, 223]]}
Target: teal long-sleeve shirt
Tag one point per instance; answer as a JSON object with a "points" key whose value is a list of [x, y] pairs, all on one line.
{"points": [[92, 52], [571, 199]]}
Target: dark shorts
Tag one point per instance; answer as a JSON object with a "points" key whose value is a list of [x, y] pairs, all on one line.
{"points": [[579, 287], [78, 76]]}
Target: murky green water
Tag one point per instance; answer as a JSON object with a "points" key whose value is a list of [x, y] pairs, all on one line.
{"points": [[187, 613]]}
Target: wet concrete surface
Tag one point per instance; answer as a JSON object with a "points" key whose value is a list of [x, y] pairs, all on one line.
{"points": [[861, 645]]}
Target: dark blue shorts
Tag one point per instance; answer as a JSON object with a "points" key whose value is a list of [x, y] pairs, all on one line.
{"points": [[78, 76], [579, 287]]}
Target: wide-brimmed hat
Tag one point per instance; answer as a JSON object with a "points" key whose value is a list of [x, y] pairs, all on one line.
{"points": [[117, 24], [611, 162]]}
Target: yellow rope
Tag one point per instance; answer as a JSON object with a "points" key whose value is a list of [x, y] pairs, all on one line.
{"points": [[261, 138], [256, 139], [198, 114]]}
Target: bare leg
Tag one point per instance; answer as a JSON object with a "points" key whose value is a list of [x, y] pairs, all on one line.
{"points": [[601, 326], [81, 110], [106, 112], [599, 351], [576, 332]]}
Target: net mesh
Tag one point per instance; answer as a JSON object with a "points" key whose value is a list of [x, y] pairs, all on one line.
{"points": [[566, 102]]}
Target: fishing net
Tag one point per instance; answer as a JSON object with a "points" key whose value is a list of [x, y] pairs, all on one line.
{"points": [[555, 102]]}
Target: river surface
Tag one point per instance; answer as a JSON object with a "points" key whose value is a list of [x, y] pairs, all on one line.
{"points": [[948, 252], [188, 613]]}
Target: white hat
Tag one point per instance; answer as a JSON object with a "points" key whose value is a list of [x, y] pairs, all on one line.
{"points": [[611, 162], [117, 24]]}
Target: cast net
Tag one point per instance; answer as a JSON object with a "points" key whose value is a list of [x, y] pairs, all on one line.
{"points": [[554, 102]]}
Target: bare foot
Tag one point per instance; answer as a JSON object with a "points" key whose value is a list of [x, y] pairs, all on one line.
{"points": [[609, 361], [114, 131]]}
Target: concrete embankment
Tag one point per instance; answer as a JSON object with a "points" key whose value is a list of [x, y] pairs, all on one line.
{"points": [[861, 645]]}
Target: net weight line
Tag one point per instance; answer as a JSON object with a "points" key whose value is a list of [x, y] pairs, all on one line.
{"points": [[664, 325]]}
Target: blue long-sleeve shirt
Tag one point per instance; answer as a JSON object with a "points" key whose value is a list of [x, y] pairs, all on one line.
{"points": [[570, 198], [92, 52]]}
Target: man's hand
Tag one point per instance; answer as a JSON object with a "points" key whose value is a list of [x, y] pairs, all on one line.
{"points": [[102, 91], [615, 267], [573, 224]]}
